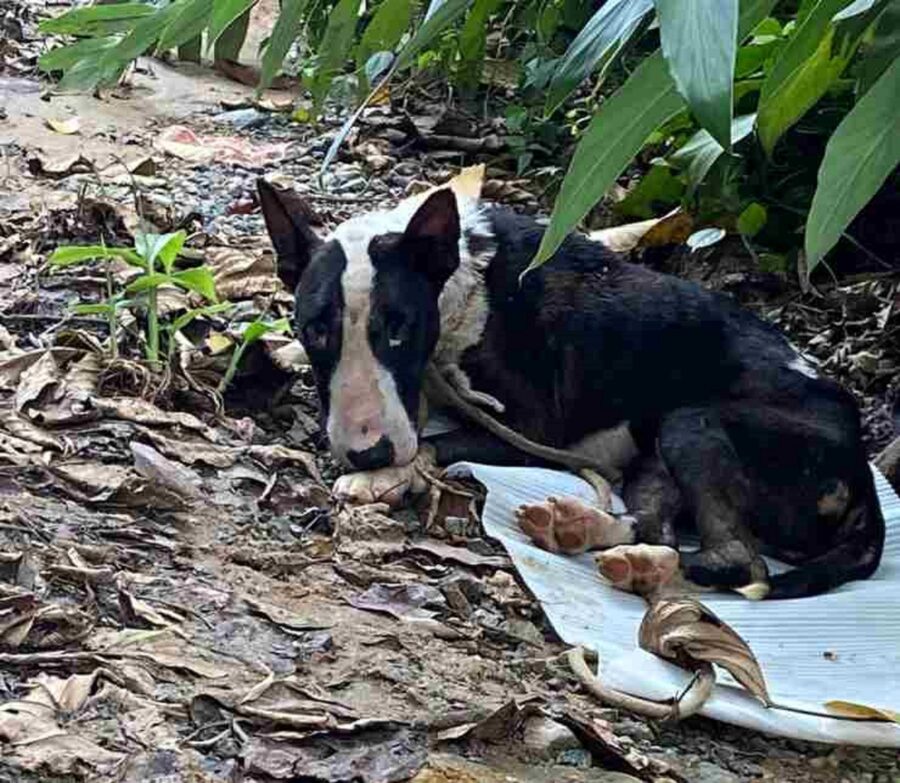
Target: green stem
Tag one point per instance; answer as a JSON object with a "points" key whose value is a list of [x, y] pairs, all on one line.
{"points": [[236, 357], [152, 329], [113, 314]]}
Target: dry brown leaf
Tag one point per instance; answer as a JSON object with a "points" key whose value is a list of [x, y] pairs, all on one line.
{"points": [[276, 454], [673, 229], [686, 632], [849, 709], [36, 380], [157, 468], [242, 274], [117, 485], [458, 554], [163, 648], [190, 451], [67, 126], [143, 412], [283, 617]]}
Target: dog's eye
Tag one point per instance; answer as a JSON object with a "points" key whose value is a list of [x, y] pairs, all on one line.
{"points": [[396, 328], [315, 335]]}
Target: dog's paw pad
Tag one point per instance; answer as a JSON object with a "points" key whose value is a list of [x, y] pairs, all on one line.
{"points": [[638, 568], [570, 526]]}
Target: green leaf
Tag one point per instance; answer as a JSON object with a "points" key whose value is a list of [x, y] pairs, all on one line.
{"points": [[224, 12], [597, 45], [658, 189], [187, 22], [810, 63], [79, 254], [618, 130], [699, 41], [165, 247], [861, 154], [97, 20], [751, 221], [200, 280], [200, 312], [148, 281], [472, 40], [440, 15], [385, 30], [883, 48], [64, 57], [701, 151], [857, 7], [259, 328], [285, 32], [334, 48]]}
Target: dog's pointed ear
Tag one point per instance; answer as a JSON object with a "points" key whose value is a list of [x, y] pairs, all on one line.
{"points": [[433, 235], [288, 219]]}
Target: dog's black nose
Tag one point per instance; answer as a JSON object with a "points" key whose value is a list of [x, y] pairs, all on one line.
{"points": [[378, 456]]}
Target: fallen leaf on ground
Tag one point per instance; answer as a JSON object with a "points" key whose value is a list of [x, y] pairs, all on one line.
{"points": [[242, 274], [283, 617], [686, 632], [458, 554], [277, 454], [143, 412], [157, 468], [405, 602], [181, 142], [59, 166], [66, 126]]}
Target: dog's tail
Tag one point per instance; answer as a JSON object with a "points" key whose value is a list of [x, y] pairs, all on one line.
{"points": [[856, 556]]}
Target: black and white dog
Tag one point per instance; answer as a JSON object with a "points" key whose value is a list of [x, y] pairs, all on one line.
{"points": [[708, 412]]}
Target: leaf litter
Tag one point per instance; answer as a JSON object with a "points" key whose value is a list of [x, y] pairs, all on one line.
{"points": [[177, 589]]}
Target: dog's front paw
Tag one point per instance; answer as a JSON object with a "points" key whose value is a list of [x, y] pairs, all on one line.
{"points": [[570, 526], [644, 569], [386, 485]]}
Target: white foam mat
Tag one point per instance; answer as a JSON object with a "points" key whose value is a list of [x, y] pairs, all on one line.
{"points": [[844, 645]]}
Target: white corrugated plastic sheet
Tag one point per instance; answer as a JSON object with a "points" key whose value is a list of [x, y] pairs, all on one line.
{"points": [[844, 645]]}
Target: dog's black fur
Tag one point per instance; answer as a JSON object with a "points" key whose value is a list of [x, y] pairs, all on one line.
{"points": [[754, 452]]}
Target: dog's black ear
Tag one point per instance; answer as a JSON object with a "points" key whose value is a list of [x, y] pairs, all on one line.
{"points": [[433, 235], [288, 219]]}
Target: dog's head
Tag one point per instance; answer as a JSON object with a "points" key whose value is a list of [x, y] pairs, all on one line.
{"points": [[367, 314]]}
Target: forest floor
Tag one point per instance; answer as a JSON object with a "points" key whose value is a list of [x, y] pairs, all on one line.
{"points": [[180, 599]]}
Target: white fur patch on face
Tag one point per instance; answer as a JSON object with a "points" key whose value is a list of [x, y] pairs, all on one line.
{"points": [[364, 403]]}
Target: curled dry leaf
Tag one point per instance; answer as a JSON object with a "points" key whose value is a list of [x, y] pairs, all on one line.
{"points": [[283, 617], [686, 632], [143, 412]]}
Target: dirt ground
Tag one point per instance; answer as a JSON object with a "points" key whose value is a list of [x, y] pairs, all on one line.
{"points": [[180, 598]]}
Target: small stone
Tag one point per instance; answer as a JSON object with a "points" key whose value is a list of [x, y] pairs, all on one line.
{"points": [[547, 739], [706, 772], [577, 757]]}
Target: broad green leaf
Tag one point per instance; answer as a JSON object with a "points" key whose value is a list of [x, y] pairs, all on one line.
{"points": [[165, 247], [334, 49], [106, 69], [258, 329], [617, 132], [472, 40], [186, 23], [699, 41], [658, 189], [64, 57], [440, 15], [751, 221], [860, 156], [698, 154], [148, 281], [224, 12], [809, 64], [200, 280], [883, 48], [200, 312], [377, 65], [97, 20], [285, 32], [752, 57], [385, 30], [79, 254], [596, 46]]}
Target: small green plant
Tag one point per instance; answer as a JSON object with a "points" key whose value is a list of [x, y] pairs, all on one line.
{"points": [[247, 335], [154, 255]]}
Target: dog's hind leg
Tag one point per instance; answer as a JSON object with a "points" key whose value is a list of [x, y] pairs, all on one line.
{"points": [[718, 495], [653, 498]]}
